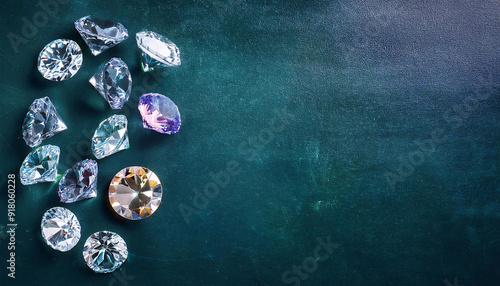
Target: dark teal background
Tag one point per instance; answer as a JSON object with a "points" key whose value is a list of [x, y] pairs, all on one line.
{"points": [[354, 83]]}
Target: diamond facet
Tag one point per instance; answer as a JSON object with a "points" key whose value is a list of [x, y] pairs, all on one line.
{"points": [[110, 136], [60, 59], [135, 193], [41, 122], [105, 251], [40, 165], [113, 82], [79, 182], [159, 113], [157, 51], [60, 228], [100, 34]]}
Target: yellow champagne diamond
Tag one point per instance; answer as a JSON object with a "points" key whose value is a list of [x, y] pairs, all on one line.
{"points": [[135, 193]]}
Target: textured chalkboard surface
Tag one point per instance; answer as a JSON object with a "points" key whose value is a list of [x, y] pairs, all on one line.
{"points": [[364, 131]]}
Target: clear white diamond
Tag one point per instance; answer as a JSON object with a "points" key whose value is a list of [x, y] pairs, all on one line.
{"points": [[113, 82], [111, 136], [100, 34], [41, 122], [60, 59], [60, 228], [40, 165], [105, 251], [157, 51]]}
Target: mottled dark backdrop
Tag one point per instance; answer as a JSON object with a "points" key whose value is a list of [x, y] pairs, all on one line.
{"points": [[364, 131]]}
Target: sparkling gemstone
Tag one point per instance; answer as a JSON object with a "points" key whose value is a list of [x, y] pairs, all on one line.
{"points": [[135, 193], [60, 59], [60, 228], [113, 82], [40, 165], [110, 136], [159, 113], [41, 122], [79, 182], [157, 51], [105, 251], [100, 34]]}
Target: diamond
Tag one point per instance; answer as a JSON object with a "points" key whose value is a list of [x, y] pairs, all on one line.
{"points": [[60, 228], [41, 122], [105, 251], [110, 136], [159, 113], [157, 51], [100, 34], [60, 59], [113, 82], [79, 182], [40, 165], [135, 193]]}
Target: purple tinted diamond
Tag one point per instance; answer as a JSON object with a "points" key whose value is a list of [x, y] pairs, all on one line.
{"points": [[159, 113]]}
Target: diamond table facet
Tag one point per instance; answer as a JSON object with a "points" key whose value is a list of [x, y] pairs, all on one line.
{"points": [[100, 34], [135, 193], [105, 251], [157, 51], [79, 182], [41, 122], [113, 82], [60, 229], [60, 60], [159, 113], [111, 136], [40, 165]]}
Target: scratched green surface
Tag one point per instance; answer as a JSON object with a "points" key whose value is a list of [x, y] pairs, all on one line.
{"points": [[312, 103]]}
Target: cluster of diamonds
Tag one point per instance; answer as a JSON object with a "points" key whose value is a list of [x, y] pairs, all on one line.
{"points": [[135, 192]]}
